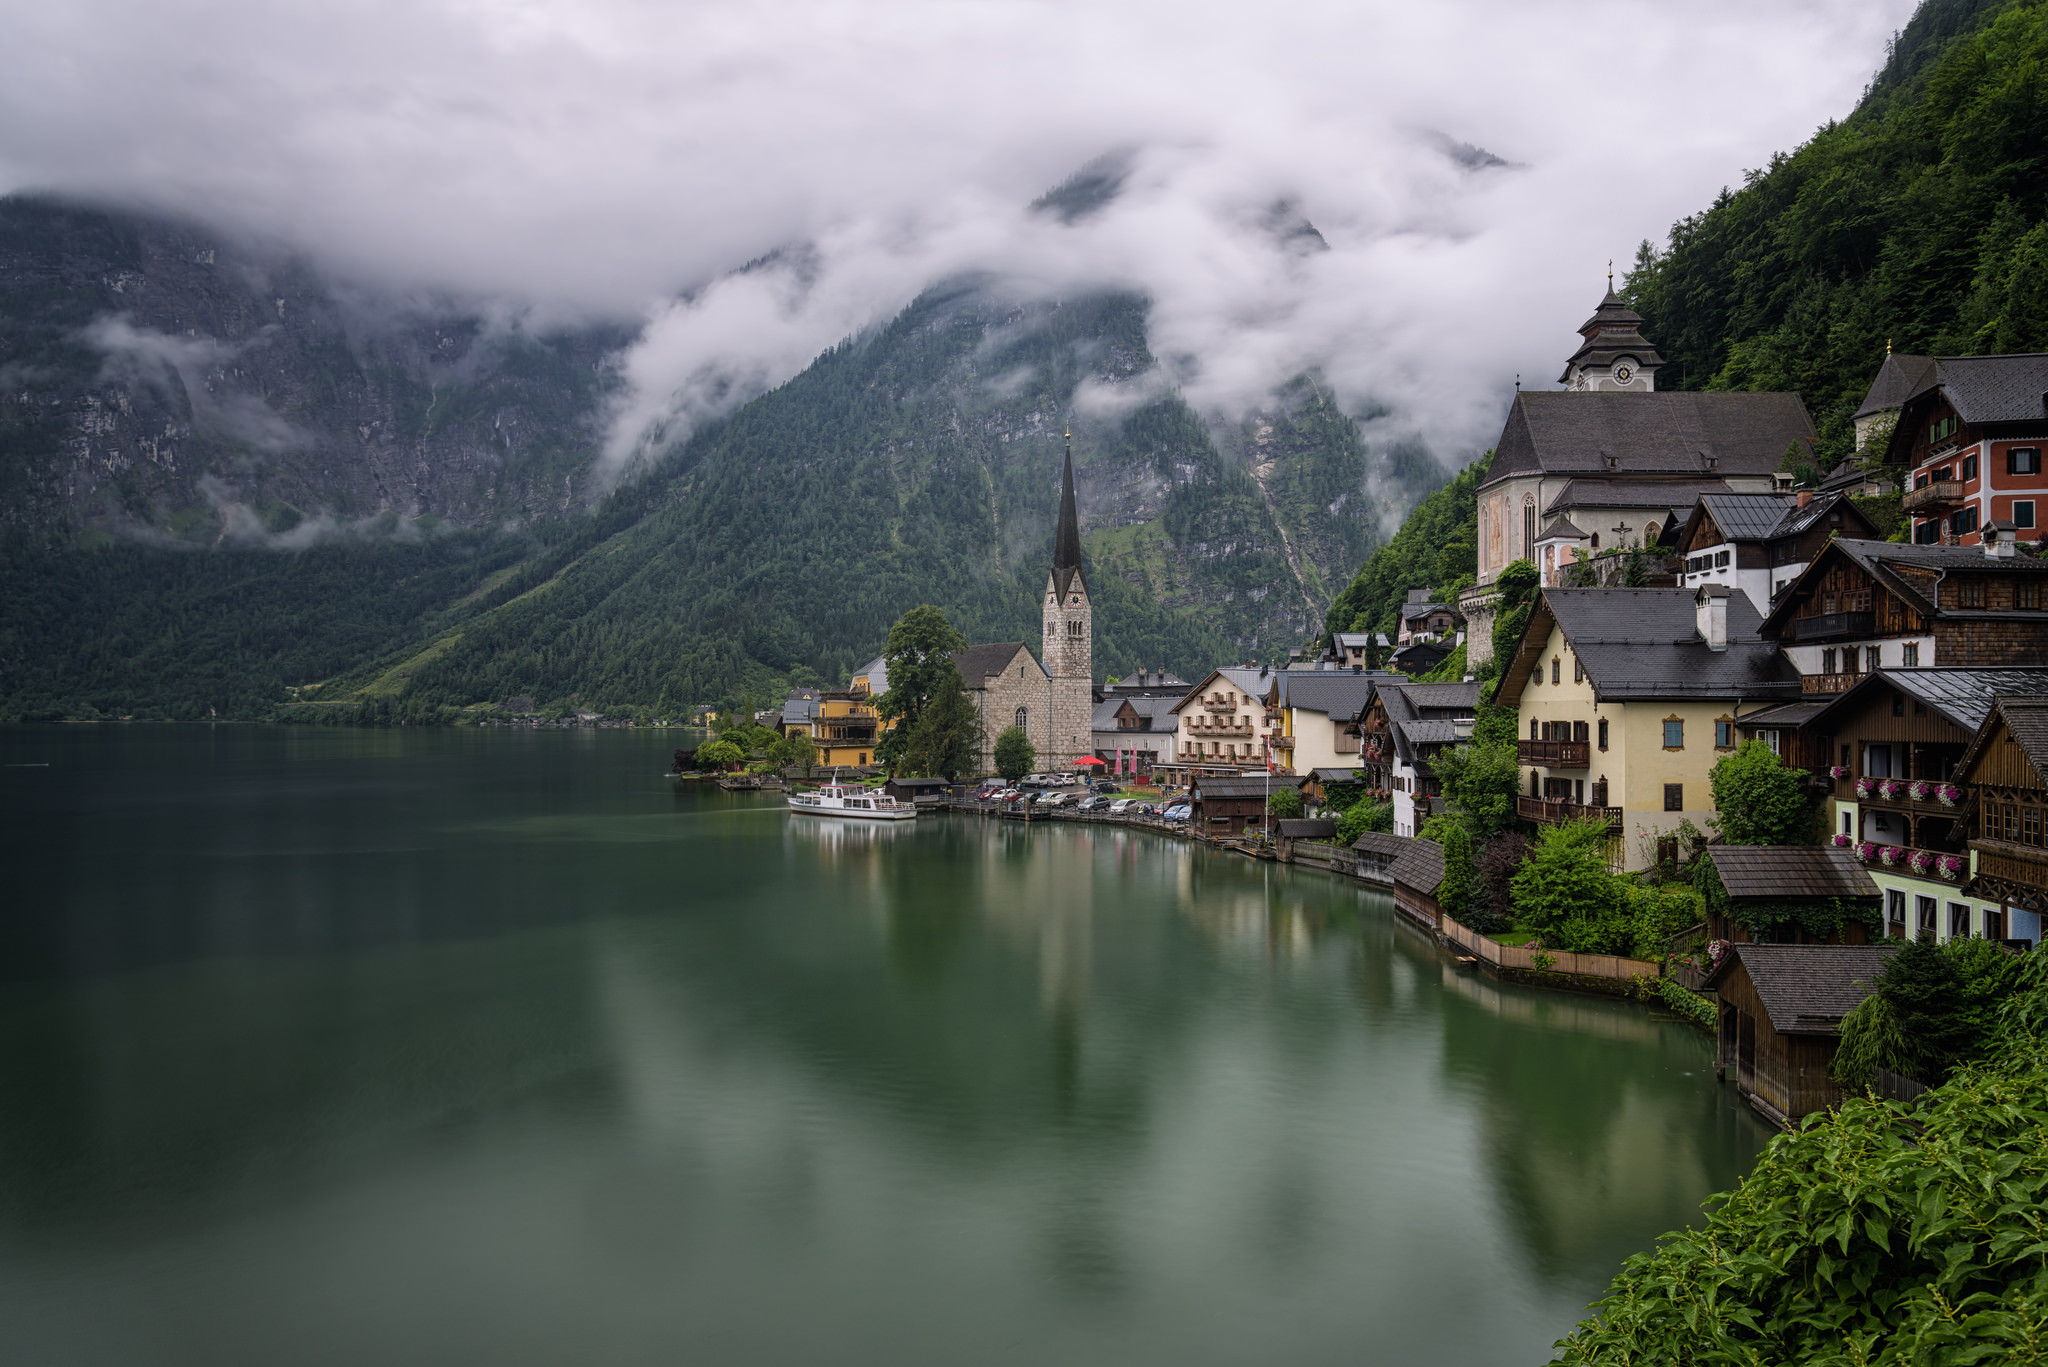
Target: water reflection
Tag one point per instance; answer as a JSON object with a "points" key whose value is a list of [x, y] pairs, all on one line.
{"points": [[643, 1072]]}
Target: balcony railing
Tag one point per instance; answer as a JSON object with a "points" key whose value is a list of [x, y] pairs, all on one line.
{"points": [[1219, 705], [1827, 683], [1899, 793], [1197, 726], [1829, 624], [1555, 754], [1283, 742], [2016, 873], [1547, 812], [1937, 496]]}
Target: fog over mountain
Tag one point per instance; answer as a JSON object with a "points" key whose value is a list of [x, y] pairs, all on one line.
{"points": [[1469, 167]]}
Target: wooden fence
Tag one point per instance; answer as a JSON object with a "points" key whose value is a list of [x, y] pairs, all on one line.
{"points": [[1560, 961]]}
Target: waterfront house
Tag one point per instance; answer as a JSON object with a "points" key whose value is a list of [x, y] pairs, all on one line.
{"points": [[2005, 771], [1891, 747], [1759, 543], [1135, 733], [1314, 712], [1420, 658], [1328, 786], [1288, 830], [1231, 804], [844, 725], [1865, 605], [1781, 1009], [1222, 724], [1377, 851], [1404, 727], [1629, 697], [1616, 458], [1764, 886], [1969, 439], [914, 790]]}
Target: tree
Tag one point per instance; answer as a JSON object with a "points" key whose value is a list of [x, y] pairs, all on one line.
{"points": [[1015, 754], [945, 741], [1491, 906], [1481, 782], [720, 754], [1517, 583], [1362, 816], [798, 749], [1460, 873], [1757, 800], [919, 651], [1565, 877], [1285, 803]]}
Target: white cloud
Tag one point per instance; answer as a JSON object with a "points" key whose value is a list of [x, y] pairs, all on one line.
{"points": [[607, 155]]}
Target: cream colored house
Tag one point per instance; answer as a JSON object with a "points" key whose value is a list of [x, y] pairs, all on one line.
{"points": [[1628, 699], [1223, 724], [1315, 712]]}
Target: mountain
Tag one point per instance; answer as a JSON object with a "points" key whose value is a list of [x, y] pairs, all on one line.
{"points": [[242, 487], [1919, 222]]}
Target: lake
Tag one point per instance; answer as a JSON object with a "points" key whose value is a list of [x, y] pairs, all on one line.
{"points": [[439, 1046]]}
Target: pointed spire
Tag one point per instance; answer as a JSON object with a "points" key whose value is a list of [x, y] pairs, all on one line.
{"points": [[1066, 551]]}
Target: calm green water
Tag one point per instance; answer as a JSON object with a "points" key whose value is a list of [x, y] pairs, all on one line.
{"points": [[455, 1047]]}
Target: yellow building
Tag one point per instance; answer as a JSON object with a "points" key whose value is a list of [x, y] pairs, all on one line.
{"points": [[841, 722], [1628, 699]]}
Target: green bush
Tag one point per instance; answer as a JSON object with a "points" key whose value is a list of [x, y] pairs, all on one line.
{"points": [[1362, 816], [1758, 801], [1285, 803]]}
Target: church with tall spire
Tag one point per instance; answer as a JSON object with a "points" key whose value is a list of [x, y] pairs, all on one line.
{"points": [[1050, 695]]}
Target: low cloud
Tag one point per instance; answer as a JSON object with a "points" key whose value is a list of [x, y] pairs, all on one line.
{"points": [[182, 371], [1470, 166]]}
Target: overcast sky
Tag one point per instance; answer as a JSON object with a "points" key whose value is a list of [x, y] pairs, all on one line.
{"points": [[609, 155]]}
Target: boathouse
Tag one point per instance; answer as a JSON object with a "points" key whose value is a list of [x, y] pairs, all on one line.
{"points": [[1781, 1009], [1418, 871], [1765, 888], [1228, 805]]}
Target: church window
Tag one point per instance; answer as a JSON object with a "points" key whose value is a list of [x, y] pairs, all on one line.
{"points": [[1023, 716], [1529, 527]]}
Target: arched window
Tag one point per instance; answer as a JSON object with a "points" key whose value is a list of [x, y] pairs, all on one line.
{"points": [[1649, 535], [1023, 716], [1529, 527]]}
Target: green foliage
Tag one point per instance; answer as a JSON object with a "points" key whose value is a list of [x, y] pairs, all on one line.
{"points": [[1821, 917], [1918, 220], [720, 754], [1362, 816], [1285, 802], [1014, 753], [1480, 781], [945, 740], [1565, 878], [798, 749], [1517, 582], [1701, 1011], [1871, 1039], [1943, 1000], [1460, 871], [1872, 1235], [1436, 545], [1491, 907], [919, 655], [1757, 800]]}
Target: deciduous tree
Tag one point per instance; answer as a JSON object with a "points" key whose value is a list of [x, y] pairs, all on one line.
{"points": [[919, 651], [1015, 754], [1758, 801]]}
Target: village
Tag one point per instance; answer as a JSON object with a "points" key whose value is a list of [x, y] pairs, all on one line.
{"points": [[1663, 612]]}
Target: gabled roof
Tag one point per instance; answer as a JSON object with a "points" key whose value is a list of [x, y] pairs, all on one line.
{"points": [[1253, 683], [1960, 697], [1066, 549], [1807, 989], [1645, 643], [1382, 842], [1561, 528], [1672, 432], [800, 706], [1158, 708], [1411, 611], [1420, 866], [1334, 775], [1306, 828], [977, 663], [1461, 697], [1991, 389], [1410, 730], [2026, 717], [876, 672], [1898, 379], [1239, 785], [1883, 561], [1778, 872], [1741, 517], [1340, 693]]}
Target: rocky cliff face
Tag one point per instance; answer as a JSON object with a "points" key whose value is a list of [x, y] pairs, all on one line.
{"points": [[158, 378]]}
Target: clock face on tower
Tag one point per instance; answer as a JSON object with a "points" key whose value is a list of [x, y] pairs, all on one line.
{"points": [[1623, 373]]}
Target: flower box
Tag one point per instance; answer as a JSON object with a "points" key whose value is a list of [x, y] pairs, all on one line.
{"points": [[1893, 788], [1951, 867], [1921, 790], [1920, 861], [1867, 851], [1838, 771], [1841, 842], [1890, 856], [1948, 795], [1865, 787]]}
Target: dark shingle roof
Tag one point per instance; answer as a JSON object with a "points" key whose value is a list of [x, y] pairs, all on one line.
{"points": [[1898, 379], [1964, 696], [1884, 560], [1405, 704], [1645, 643], [1671, 432], [1420, 866], [1335, 775], [1787, 715], [1745, 517], [1382, 842], [1236, 785], [1651, 495], [1561, 526], [1338, 692], [978, 662], [1306, 828], [2026, 716], [1988, 389], [1464, 697], [1158, 707], [1790, 871], [1807, 989]]}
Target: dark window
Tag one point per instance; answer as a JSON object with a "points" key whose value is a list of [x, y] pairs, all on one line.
{"points": [[1895, 913], [1535, 783], [1969, 593], [1958, 920], [1578, 673], [1579, 732], [2023, 460], [1674, 737], [1963, 521], [1911, 651], [1920, 480], [1898, 704], [1969, 468], [1928, 532], [2027, 596], [1872, 659], [1535, 729], [1674, 797], [1556, 671], [1529, 529], [1924, 911], [1023, 716], [1827, 660], [1603, 733], [2023, 513], [1724, 735]]}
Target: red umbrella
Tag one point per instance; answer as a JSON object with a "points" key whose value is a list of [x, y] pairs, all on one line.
{"points": [[1090, 759]]}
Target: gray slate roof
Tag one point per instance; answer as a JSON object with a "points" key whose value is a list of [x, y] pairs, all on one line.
{"points": [[1306, 828], [800, 707], [1645, 643], [1807, 989], [1410, 729], [1338, 692], [1420, 866], [876, 672], [1746, 517], [1898, 379], [1335, 775], [1786, 716], [1988, 389], [1670, 432], [977, 663], [1777, 872], [1159, 709], [1561, 526], [1961, 697], [1882, 560], [1651, 495], [1237, 785], [1383, 842]]}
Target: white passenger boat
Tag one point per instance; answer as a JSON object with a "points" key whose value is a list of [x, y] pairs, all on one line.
{"points": [[852, 800]]}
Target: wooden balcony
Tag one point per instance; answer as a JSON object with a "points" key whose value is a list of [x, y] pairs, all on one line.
{"points": [[1827, 683], [1829, 625], [1555, 754], [1198, 727], [1283, 743], [1545, 812], [2013, 873], [1846, 790], [1219, 705], [1938, 496]]}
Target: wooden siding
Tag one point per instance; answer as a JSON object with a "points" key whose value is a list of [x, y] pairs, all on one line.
{"points": [[1788, 1074], [1974, 642], [1845, 587]]}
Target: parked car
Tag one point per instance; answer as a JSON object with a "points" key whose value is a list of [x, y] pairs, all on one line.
{"points": [[1051, 798], [1095, 803], [1122, 806], [1179, 811], [1105, 786]]}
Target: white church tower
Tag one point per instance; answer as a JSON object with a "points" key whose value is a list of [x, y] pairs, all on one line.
{"points": [[1069, 648], [1615, 357]]}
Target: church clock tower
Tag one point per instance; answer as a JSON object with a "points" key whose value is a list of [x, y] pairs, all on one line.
{"points": [[1069, 649], [1614, 357]]}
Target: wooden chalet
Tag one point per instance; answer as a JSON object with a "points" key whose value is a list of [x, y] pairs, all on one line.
{"points": [[1781, 1009], [1228, 805], [1291, 829], [1773, 876], [2005, 771]]}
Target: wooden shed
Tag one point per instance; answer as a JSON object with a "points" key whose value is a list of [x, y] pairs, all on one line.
{"points": [[912, 790], [1782, 876], [1377, 851], [1781, 1020], [1291, 829], [1418, 872], [1228, 804]]}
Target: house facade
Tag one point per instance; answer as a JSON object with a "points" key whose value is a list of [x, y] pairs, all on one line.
{"points": [[1759, 543], [1969, 441], [1223, 724], [1402, 730], [2005, 771], [1315, 712], [1135, 733], [1630, 697]]}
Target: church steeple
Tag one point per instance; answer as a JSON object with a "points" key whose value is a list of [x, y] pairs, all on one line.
{"points": [[1615, 354], [1066, 549]]}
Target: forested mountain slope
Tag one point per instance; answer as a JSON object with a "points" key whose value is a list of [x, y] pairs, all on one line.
{"points": [[1920, 221]]}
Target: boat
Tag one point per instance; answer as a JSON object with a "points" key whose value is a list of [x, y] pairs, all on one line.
{"points": [[852, 800]]}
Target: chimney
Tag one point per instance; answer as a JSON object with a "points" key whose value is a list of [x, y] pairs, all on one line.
{"points": [[1999, 541], [1711, 615], [1805, 497]]}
